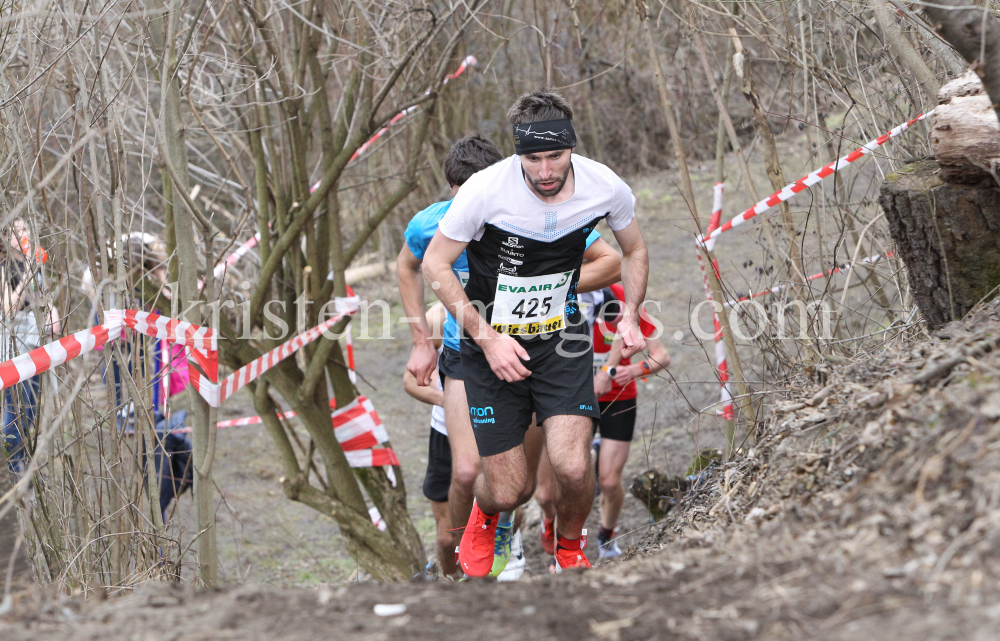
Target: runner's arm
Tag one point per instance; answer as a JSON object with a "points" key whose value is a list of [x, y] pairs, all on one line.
{"points": [[503, 352], [659, 359], [423, 356], [635, 272], [603, 267], [429, 394]]}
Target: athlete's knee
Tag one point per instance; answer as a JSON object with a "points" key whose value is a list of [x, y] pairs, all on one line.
{"points": [[610, 482], [464, 474], [506, 496], [573, 471]]}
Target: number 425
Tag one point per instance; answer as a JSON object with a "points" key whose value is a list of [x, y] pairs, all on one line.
{"points": [[533, 305]]}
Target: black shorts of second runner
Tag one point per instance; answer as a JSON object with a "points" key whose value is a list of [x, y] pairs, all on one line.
{"points": [[559, 385], [618, 419], [438, 478], [450, 364]]}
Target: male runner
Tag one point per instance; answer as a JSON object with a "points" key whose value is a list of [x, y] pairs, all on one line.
{"points": [[466, 157], [525, 221], [614, 384]]}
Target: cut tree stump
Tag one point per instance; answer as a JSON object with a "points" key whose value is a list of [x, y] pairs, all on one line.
{"points": [[965, 135], [948, 235]]}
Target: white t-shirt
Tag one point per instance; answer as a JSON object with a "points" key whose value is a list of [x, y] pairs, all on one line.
{"points": [[499, 195], [525, 254]]}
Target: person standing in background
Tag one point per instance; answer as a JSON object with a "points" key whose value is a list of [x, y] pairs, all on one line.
{"points": [[20, 286]]}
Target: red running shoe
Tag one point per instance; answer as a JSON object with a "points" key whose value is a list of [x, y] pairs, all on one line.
{"points": [[548, 536], [475, 552], [569, 553]]}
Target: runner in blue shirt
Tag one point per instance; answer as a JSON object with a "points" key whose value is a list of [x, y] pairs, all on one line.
{"points": [[603, 267]]}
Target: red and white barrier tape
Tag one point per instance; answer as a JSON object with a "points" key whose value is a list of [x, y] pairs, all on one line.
{"points": [[239, 253], [21, 368], [357, 428], [871, 260], [726, 412], [200, 339], [216, 393], [811, 179], [157, 326]]}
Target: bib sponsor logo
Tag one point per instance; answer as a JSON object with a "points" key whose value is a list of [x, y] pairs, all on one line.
{"points": [[515, 289], [530, 329], [524, 306]]}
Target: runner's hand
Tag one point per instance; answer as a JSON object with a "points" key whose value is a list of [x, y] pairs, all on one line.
{"points": [[602, 383], [633, 341], [423, 360], [504, 355], [624, 374]]}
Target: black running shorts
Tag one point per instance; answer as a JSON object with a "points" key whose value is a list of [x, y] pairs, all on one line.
{"points": [[450, 364], [438, 478], [559, 385], [618, 419]]}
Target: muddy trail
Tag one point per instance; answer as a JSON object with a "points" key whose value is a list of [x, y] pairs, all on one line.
{"points": [[869, 506]]}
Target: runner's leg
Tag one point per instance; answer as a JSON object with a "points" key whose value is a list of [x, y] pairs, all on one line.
{"points": [[445, 539], [464, 452], [617, 427], [534, 445], [503, 484], [614, 455], [545, 491], [567, 439]]}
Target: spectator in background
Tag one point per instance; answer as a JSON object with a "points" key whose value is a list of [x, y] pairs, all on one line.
{"points": [[20, 286]]}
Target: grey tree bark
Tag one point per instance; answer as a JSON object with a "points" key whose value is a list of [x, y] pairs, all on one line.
{"points": [[162, 29], [904, 51], [948, 235]]}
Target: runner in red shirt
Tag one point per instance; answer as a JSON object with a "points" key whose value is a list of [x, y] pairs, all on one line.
{"points": [[614, 382]]}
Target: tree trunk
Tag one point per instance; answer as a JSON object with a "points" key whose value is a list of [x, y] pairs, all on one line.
{"points": [[948, 235]]}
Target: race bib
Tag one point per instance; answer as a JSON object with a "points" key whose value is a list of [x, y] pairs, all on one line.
{"points": [[529, 306], [463, 278]]}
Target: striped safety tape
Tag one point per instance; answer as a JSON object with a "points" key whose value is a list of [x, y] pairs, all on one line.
{"points": [[357, 428], [21, 368], [811, 179], [216, 393], [722, 367]]}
